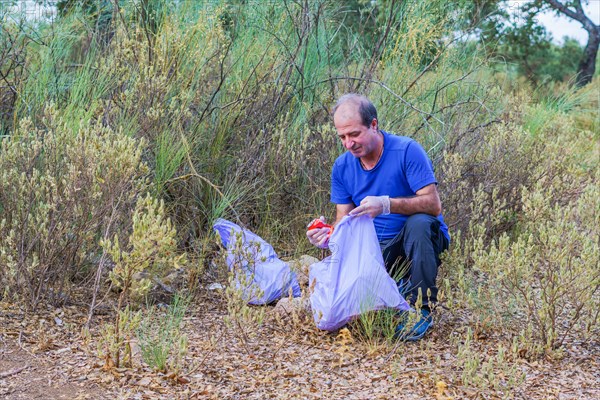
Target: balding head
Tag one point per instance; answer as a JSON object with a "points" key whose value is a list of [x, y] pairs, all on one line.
{"points": [[356, 103]]}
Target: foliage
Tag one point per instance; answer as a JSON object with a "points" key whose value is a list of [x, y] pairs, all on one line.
{"points": [[115, 342], [516, 36], [530, 47], [13, 52], [151, 248], [225, 107], [497, 371], [533, 246], [242, 318], [59, 192], [162, 343], [233, 100], [377, 328], [551, 270]]}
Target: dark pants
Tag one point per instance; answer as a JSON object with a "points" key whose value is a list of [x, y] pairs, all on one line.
{"points": [[413, 256]]}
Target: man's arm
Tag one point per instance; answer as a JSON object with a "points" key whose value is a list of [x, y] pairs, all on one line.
{"points": [[425, 201], [341, 210]]}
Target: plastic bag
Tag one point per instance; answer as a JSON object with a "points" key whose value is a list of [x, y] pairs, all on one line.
{"points": [[261, 275], [353, 279]]}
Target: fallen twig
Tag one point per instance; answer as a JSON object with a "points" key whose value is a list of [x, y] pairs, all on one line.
{"points": [[12, 372]]}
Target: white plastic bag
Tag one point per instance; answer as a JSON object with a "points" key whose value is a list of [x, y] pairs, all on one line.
{"points": [[261, 275], [353, 279]]}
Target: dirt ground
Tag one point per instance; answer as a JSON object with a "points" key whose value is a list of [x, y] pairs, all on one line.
{"points": [[46, 356]]}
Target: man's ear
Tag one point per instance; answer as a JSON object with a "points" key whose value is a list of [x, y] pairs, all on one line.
{"points": [[374, 124]]}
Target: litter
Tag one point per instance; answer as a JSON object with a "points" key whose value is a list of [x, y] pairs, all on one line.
{"points": [[353, 279], [259, 273]]}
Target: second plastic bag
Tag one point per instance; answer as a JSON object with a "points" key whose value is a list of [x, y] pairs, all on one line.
{"points": [[353, 279], [259, 273]]}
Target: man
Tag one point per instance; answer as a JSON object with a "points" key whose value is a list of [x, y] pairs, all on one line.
{"points": [[391, 179]]}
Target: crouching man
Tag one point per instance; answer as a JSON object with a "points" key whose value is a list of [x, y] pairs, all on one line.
{"points": [[391, 179]]}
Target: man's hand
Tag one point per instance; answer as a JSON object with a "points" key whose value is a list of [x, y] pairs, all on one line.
{"points": [[319, 236], [372, 206]]}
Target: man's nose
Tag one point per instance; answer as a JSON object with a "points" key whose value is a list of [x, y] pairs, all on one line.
{"points": [[349, 144]]}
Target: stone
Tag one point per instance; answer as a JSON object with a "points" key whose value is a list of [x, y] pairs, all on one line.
{"points": [[163, 288], [288, 306], [215, 286], [301, 267]]}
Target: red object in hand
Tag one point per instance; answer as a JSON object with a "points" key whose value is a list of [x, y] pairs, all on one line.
{"points": [[317, 223]]}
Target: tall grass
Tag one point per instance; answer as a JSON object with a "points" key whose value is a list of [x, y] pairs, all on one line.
{"points": [[236, 96]]}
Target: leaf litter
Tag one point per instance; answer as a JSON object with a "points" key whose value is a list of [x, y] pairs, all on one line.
{"points": [[41, 358]]}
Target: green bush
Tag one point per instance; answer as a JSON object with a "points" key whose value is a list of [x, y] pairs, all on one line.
{"points": [[151, 250], [115, 341], [233, 100], [241, 317], [551, 268]]}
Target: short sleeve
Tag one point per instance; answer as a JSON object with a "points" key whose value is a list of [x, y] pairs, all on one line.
{"points": [[339, 193], [419, 169]]}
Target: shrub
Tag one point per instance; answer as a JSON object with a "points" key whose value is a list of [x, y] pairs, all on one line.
{"points": [[114, 344], [60, 191], [483, 371], [151, 249], [242, 318], [551, 269], [527, 255]]}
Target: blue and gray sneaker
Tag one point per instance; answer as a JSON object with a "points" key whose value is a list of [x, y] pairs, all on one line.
{"points": [[417, 331]]}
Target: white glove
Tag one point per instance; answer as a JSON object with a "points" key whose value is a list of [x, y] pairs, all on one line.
{"points": [[318, 237], [372, 206]]}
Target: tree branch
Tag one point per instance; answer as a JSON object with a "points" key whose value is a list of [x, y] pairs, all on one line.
{"points": [[577, 15]]}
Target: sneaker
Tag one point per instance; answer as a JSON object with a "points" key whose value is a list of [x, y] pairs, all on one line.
{"points": [[417, 331]]}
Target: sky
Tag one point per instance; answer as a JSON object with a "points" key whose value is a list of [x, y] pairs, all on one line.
{"points": [[560, 26]]}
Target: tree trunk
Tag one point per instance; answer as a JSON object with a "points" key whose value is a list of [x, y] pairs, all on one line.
{"points": [[574, 10], [587, 66]]}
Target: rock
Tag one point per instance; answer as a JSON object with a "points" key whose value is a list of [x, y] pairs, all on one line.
{"points": [[176, 278], [288, 306], [301, 267], [163, 288], [146, 381], [136, 352], [215, 286], [138, 276]]}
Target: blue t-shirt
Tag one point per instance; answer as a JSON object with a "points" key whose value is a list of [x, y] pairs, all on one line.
{"points": [[403, 169]]}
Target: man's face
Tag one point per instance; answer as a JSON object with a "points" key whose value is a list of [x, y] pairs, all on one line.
{"points": [[360, 140]]}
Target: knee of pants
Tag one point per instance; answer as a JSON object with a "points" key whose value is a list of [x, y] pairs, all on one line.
{"points": [[420, 225]]}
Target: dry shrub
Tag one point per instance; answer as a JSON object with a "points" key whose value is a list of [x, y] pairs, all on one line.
{"points": [[484, 371], [483, 173], [527, 256], [163, 83], [243, 318], [61, 190], [551, 269], [151, 249], [13, 54]]}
